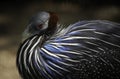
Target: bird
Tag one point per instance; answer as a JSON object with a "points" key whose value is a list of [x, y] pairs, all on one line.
{"points": [[87, 49]]}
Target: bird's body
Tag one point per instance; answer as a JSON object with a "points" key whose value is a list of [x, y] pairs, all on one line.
{"points": [[84, 50]]}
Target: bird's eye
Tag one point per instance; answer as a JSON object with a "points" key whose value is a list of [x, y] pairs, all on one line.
{"points": [[39, 26]]}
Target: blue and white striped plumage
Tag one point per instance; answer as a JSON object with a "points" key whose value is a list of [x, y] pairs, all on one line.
{"points": [[84, 50]]}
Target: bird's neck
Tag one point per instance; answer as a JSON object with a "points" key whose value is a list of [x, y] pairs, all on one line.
{"points": [[43, 39]]}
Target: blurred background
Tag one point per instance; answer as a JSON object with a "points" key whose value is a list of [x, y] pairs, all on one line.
{"points": [[14, 16]]}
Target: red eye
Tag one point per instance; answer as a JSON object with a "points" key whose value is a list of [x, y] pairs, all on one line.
{"points": [[39, 26]]}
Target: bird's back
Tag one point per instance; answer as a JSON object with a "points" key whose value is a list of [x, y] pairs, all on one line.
{"points": [[84, 50]]}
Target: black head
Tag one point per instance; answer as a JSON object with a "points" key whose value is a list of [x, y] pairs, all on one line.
{"points": [[41, 23]]}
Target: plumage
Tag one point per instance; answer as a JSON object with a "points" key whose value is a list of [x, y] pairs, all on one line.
{"points": [[83, 50]]}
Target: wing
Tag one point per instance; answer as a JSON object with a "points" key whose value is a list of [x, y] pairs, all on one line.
{"points": [[87, 47]]}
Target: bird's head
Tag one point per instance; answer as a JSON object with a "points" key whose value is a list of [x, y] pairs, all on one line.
{"points": [[42, 23]]}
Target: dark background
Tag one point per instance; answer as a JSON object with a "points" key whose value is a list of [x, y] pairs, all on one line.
{"points": [[14, 16]]}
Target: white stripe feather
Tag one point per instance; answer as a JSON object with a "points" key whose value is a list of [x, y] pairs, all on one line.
{"points": [[69, 44], [49, 53], [77, 37]]}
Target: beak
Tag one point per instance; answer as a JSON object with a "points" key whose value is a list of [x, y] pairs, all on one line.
{"points": [[26, 34]]}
